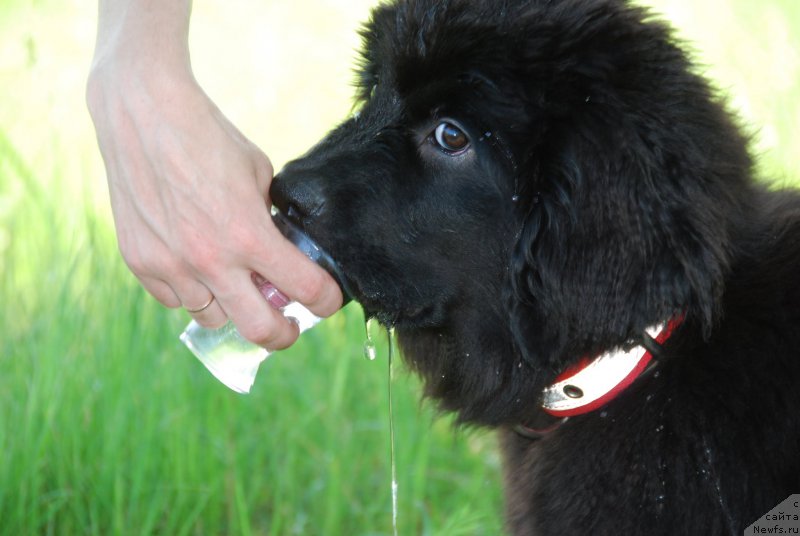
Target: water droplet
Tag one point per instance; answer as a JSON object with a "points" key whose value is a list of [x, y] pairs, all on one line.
{"points": [[603, 414], [514, 198], [369, 351], [369, 344]]}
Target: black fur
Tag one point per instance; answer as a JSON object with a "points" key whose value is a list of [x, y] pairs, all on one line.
{"points": [[604, 189]]}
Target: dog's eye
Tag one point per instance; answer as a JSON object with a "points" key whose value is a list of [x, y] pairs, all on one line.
{"points": [[451, 138]]}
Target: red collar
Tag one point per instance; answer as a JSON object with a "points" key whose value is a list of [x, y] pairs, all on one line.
{"points": [[592, 383]]}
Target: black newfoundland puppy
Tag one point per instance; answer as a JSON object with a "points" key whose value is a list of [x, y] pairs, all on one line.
{"points": [[559, 219]]}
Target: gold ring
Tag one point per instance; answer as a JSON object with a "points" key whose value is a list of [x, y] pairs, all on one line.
{"points": [[203, 308]]}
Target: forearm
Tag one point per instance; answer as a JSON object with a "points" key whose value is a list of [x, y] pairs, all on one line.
{"points": [[144, 34]]}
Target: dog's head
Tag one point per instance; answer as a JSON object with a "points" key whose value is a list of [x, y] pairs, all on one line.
{"points": [[524, 182]]}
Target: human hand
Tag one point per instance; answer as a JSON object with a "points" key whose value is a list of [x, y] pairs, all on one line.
{"points": [[189, 198]]}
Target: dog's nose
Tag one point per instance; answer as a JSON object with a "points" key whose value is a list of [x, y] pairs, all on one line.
{"points": [[299, 195]]}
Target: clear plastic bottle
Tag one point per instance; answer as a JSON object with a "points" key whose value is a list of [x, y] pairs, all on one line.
{"points": [[231, 358]]}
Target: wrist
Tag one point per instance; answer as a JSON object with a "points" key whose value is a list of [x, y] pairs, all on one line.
{"points": [[144, 37]]}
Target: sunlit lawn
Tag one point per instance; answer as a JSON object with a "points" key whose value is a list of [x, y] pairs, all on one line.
{"points": [[109, 426]]}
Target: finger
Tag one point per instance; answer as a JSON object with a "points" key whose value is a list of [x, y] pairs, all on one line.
{"points": [[161, 291], [200, 303], [288, 269], [254, 318], [263, 172], [209, 315], [212, 316]]}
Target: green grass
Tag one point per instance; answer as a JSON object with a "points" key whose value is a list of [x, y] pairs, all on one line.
{"points": [[109, 426]]}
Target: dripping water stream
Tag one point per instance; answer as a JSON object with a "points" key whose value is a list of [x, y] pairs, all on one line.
{"points": [[391, 435], [370, 353], [369, 344]]}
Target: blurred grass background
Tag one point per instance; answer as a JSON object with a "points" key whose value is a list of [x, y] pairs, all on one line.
{"points": [[109, 426]]}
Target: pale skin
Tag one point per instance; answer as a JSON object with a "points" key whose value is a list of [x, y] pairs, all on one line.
{"points": [[189, 192]]}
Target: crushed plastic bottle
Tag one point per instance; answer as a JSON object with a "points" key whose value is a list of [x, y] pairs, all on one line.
{"points": [[231, 358]]}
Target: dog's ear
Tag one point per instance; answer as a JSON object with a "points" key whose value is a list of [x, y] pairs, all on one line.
{"points": [[627, 223]]}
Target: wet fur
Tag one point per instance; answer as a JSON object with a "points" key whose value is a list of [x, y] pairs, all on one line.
{"points": [[605, 189]]}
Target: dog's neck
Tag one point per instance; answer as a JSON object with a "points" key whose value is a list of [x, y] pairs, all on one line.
{"points": [[593, 383]]}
